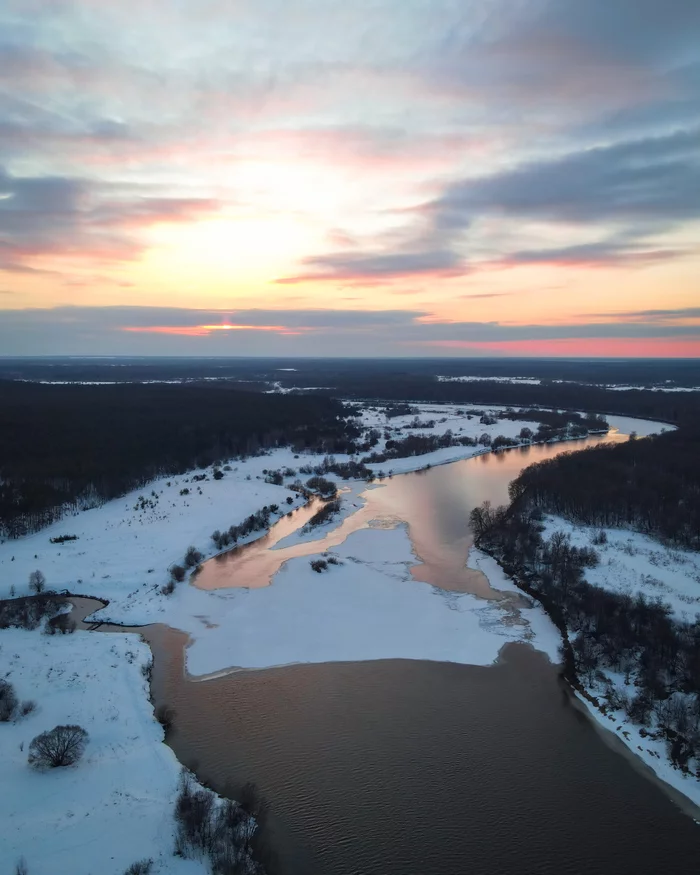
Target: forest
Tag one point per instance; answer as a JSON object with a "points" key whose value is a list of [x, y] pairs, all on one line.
{"points": [[634, 484], [64, 446], [650, 485]]}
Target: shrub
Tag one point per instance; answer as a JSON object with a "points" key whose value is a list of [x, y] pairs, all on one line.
{"points": [[177, 572], [192, 557], [8, 701], [37, 582], [140, 867], [600, 537], [168, 588], [60, 746], [21, 867], [322, 486], [27, 612], [165, 715], [27, 707], [61, 539], [319, 565], [63, 624], [218, 474], [324, 514], [500, 442]]}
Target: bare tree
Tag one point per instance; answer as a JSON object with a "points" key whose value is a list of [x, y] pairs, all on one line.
{"points": [[37, 582], [21, 867], [8, 701], [60, 746]]}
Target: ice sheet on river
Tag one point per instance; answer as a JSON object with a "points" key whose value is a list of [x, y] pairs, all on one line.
{"points": [[369, 607]]}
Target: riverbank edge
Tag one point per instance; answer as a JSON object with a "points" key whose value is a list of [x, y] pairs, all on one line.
{"points": [[587, 701], [88, 624]]}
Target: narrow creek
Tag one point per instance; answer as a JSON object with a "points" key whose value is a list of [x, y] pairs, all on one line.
{"points": [[403, 767]]}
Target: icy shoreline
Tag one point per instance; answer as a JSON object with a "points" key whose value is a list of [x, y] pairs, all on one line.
{"points": [[616, 574]]}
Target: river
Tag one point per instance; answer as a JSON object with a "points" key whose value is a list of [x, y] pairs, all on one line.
{"points": [[403, 767]]}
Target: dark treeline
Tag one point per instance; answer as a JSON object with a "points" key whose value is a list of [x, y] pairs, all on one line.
{"points": [[63, 447], [651, 485], [337, 372]]}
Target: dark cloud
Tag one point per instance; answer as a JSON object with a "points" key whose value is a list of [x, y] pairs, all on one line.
{"points": [[144, 330], [680, 313], [653, 181], [353, 266], [611, 253]]}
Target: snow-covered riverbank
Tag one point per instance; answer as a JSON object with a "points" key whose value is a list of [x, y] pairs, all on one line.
{"points": [[115, 806], [630, 563]]}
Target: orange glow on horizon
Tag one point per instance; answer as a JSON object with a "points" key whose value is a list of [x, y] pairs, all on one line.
{"points": [[203, 330], [594, 347]]}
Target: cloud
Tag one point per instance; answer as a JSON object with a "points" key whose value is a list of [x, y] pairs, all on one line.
{"points": [[79, 217], [353, 266], [656, 315], [150, 330], [653, 181]]}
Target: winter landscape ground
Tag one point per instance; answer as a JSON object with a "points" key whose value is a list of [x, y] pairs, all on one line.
{"points": [[365, 607]]}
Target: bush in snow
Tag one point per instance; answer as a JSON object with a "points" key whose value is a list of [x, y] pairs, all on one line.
{"points": [[60, 746], [177, 572], [37, 582], [225, 832], [28, 612], [27, 707], [21, 867], [192, 557], [61, 624], [319, 565], [500, 442], [140, 867], [8, 701]]}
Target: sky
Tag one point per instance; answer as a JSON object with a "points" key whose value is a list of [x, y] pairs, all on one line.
{"points": [[374, 177]]}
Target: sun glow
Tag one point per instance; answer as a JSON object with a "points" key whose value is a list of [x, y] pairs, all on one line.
{"points": [[245, 249]]}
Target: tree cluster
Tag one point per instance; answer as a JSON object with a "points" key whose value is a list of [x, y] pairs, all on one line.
{"points": [[651, 485], [254, 523], [228, 834]]}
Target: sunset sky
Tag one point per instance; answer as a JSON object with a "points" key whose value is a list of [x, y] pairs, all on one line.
{"points": [[371, 177]]}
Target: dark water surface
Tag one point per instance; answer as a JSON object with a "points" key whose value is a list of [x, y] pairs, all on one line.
{"points": [[406, 767]]}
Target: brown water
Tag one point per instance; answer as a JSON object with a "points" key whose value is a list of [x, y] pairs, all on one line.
{"points": [[406, 767], [434, 503]]}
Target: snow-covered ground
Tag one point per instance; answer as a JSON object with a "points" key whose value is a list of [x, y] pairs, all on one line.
{"points": [[115, 806], [529, 381], [369, 607], [629, 563], [632, 563]]}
